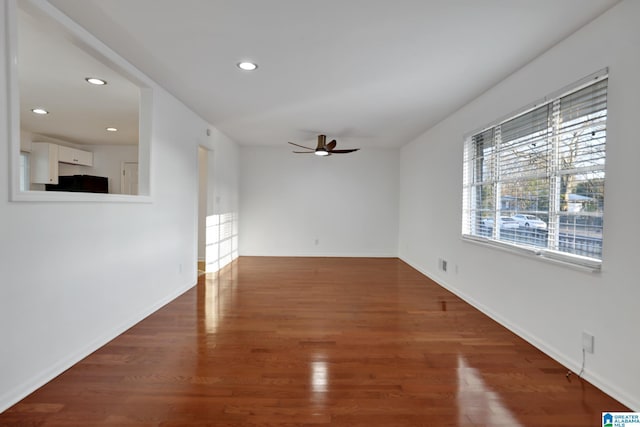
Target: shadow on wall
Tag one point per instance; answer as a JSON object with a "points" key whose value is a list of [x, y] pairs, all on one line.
{"points": [[221, 240]]}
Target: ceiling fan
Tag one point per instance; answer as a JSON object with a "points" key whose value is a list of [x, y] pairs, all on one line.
{"points": [[323, 149]]}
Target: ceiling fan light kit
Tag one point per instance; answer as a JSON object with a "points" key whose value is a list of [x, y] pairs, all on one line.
{"points": [[95, 81], [323, 149], [247, 66]]}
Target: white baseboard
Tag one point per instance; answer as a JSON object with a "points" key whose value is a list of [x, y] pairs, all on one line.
{"points": [[13, 396], [570, 363], [322, 254]]}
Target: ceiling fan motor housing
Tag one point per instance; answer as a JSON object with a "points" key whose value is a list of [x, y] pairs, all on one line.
{"points": [[321, 149]]}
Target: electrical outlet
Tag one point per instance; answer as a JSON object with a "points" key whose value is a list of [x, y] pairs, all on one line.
{"points": [[317, 241], [588, 342], [442, 264]]}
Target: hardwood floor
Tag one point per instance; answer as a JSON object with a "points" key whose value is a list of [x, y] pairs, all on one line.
{"points": [[313, 341]]}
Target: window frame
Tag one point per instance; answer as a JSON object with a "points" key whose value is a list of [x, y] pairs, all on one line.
{"points": [[472, 181], [103, 53]]}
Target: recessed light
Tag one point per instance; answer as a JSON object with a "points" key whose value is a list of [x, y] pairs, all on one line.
{"points": [[96, 81], [247, 66], [112, 129], [39, 111]]}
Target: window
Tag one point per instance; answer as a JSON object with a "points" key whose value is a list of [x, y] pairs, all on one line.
{"points": [[38, 33], [535, 182], [25, 180]]}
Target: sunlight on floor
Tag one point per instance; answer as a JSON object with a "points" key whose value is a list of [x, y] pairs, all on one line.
{"points": [[319, 377]]}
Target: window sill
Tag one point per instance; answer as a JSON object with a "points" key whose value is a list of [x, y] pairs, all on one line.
{"points": [[63, 196], [572, 261]]}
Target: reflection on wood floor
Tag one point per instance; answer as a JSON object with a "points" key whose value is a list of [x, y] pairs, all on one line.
{"points": [[312, 341]]}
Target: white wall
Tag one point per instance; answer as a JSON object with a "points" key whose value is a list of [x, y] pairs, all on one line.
{"points": [[223, 173], [75, 275], [349, 203], [547, 304]]}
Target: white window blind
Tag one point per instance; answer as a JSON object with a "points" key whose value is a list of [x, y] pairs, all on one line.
{"points": [[535, 182]]}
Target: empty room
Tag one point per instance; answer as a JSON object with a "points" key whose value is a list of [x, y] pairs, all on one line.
{"points": [[347, 212]]}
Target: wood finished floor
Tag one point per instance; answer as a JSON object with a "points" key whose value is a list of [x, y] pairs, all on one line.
{"points": [[315, 341]]}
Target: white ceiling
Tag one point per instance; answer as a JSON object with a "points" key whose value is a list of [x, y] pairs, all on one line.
{"points": [[51, 74], [368, 72]]}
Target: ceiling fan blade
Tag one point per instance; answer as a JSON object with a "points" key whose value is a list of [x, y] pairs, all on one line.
{"points": [[301, 146], [351, 150], [331, 145]]}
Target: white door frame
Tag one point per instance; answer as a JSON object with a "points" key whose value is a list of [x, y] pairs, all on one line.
{"points": [[205, 185]]}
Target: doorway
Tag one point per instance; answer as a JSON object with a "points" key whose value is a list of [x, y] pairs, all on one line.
{"points": [[205, 185], [129, 178]]}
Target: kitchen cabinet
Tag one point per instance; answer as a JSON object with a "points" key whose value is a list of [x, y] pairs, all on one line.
{"points": [[45, 157], [44, 163], [74, 156]]}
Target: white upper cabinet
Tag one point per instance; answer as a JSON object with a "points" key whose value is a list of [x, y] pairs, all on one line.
{"points": [[74, 156], [45, 157], [44, 163]]}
